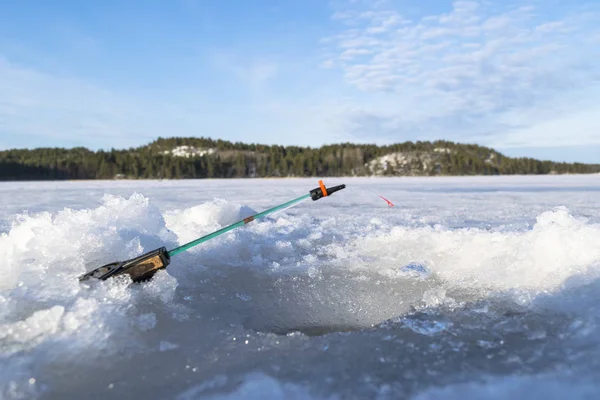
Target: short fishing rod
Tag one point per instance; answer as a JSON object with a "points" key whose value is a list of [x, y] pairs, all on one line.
{"points": [[144, 267]]}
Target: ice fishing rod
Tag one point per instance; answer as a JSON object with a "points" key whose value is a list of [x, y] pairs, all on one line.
{"points": [[144, 267]]}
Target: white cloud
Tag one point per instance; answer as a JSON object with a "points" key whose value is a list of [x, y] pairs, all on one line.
{"points": [[55, 110], [261, 71], [473, 73], [327, 64], [253, 73], [574, 129], [352, 53], [492, 74], [42, 109]]}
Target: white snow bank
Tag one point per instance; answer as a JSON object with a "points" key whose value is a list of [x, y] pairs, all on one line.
{"points": [[558, 247], [322, 264]]}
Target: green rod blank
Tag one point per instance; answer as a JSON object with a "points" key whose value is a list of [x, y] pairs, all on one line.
{"points": [[226, 229]]}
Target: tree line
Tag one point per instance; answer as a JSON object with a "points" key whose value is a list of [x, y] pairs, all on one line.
{"points": [[240, 160]]}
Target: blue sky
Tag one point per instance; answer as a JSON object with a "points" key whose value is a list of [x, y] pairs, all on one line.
{"points": [[522, 77]]}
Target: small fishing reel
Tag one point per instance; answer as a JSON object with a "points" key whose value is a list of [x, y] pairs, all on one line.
{"points": [[141, 268]]}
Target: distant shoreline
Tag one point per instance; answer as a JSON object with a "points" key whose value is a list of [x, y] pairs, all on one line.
{"points": [[202, 158], [290, 178]]}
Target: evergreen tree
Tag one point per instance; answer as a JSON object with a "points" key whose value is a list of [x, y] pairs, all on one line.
{"points": [[248, 160]]}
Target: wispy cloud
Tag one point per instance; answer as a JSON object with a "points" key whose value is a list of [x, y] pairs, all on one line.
{"points": [[49, 109], [42, 109], [252, 73], [476, 72], [487, 71]]}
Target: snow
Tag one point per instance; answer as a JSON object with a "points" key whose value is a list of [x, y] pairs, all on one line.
{"points": [[477, 287], [392, 160], [189, 151], [397, 161]]}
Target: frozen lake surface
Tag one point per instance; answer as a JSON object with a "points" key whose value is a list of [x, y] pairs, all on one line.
{"points": [[470, 287]]}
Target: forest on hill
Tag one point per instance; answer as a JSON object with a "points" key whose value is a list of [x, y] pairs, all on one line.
{"points": [[194, 158]]}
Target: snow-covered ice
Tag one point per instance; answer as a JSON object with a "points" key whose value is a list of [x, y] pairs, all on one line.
{"points": [[470, 287]]}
